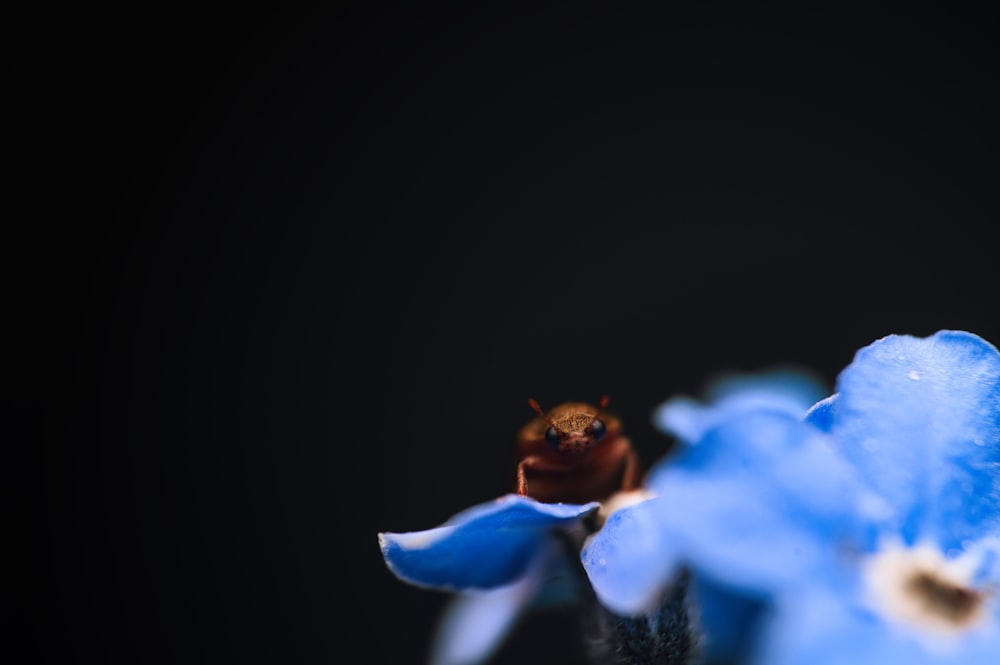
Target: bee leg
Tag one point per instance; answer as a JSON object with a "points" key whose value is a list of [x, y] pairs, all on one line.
{"points": [[522, 478], [630, 477]]}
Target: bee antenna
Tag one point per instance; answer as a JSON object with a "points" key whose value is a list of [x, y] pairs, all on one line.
{"points": [[534, 405], [603, 404]]}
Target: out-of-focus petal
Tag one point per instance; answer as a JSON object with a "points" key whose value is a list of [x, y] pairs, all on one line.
{"points": [[986, 554], [920, 417], [737, 442], [731, 533], [762, 503], [819, 627], [980, 650], [783, 391], [476, 622], [480, 548], [794, 388], [630, 561], [789, 460], [561, 581], [727, 623], [741, 534]]}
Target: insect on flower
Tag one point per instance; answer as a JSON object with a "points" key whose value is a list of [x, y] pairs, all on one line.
{"points": [[575, 453]]}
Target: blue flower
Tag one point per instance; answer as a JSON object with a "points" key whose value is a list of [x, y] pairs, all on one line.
{"points": [[865, 528], [500, 556]]}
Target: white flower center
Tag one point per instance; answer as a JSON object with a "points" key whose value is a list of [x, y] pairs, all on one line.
{"points": [[619, 500], [920, 588]]}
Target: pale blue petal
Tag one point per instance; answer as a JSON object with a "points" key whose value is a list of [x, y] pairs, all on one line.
{"points": [[631, 561], [820, 628], [480, 548], [741, 534], [762, 503], [736, 442], [986, 555], [921, 419], [783, 391], [475, 622], [683, 417], [731, 534], [980, 649], [792, 463]]}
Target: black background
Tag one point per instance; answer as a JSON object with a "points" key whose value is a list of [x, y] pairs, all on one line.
{"points": [[277, 281]]}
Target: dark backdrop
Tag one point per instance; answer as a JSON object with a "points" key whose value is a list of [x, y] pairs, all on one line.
{"points": [[278, 281]]}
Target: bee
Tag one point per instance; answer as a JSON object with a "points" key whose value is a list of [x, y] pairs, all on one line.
{"points": [[575, 453]]}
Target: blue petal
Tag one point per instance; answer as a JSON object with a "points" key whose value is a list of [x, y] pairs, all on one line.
{"points": [[820, 628], [783, 456], [921, 419], [761, 503], [727, 623], [631, 561], [743, 534], [820, 414], [483, 547], [725, 533], [980, 649], [735, 441], [476, 622], [986, 555], [784, 391], [561, 582]]}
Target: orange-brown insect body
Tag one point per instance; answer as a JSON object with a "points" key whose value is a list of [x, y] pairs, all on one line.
{"points": [[574, 453]]}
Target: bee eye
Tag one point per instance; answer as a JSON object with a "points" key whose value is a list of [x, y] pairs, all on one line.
{"points": [[552, 437], [597, 429]]}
